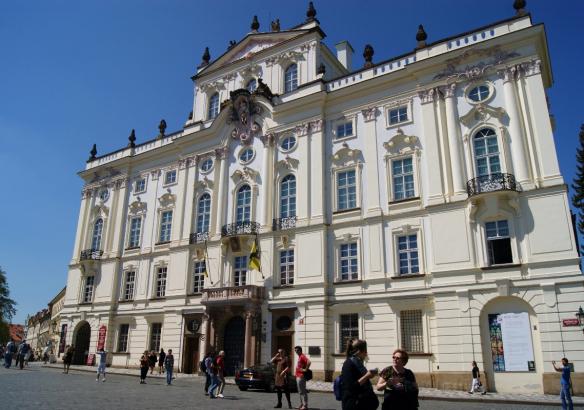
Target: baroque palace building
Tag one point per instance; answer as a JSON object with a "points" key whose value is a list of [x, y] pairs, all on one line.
{"points": [[413, 202]]}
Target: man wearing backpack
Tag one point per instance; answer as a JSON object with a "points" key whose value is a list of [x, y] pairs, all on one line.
{"points": [[302, 370]]}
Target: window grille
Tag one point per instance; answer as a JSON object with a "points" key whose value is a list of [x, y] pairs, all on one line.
{"points": [[412, 330]]}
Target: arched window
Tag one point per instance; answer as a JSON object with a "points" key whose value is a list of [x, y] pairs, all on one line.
{"points": [[486, 152], [96, 237], [291, 78], [251, 85], [203, 213], [213, 106], [288, 197], [244, 204]]}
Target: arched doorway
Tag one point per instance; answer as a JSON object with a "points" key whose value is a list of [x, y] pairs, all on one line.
{"points": [[81, 343], [511, 346], [234, 344]]}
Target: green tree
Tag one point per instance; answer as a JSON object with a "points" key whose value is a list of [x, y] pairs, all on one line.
{"points": [[578, 183], [7, 310]]}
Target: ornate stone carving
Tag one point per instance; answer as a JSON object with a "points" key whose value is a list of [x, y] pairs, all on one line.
{"points": [[430, 95], [287, 163], [155, 174], [315, 126], [370, 113], [204, 183], [246, 174], [268, 140], [243, 110], [449, 91], [509, 73], [137, 207], [401, 144], [346, 155], [475, 71], [221, 153], [302, 129], [120, 183], [531, 67], [167, 200], [482, 113]]}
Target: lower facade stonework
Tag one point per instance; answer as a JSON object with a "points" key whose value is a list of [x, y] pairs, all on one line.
{"points": [[551, 383]]}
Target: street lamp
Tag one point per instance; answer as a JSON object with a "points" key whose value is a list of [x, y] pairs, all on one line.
{"points": [[580, 316]]}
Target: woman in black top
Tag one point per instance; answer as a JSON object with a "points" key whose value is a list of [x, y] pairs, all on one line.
{"points": [[161, 357], [399, 384], [357, 392]]}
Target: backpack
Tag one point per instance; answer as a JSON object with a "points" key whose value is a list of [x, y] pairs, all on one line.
{"points": [[202, 366], [338, 388]]}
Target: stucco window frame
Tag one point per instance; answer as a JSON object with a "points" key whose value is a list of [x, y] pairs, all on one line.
{"points": [[405, 230], [341, 121], [125, 272], [347, 239], [167, 172], [358, 189], [484, 256], [253, 202], [504, 153], [155, 267], [425, 325], [415, 154], [471, 85], [396, 106], [135, 184], [117, 338], [198, 258], [198, 195]]}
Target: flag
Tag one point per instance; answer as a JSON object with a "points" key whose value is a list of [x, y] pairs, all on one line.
{"points": [[254, 256]]}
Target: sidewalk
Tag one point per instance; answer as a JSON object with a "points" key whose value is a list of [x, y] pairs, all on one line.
{"points": [[425, 393]]}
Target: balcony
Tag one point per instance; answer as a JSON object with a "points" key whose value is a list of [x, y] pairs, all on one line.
{"points": [[281, 224], [233, 295], [492, 183], [240, 228], [90, 255], [198, 237]]}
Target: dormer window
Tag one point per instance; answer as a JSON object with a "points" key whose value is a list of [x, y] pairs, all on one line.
{"points": [[291, 78], [213, 106], [252, 85]]}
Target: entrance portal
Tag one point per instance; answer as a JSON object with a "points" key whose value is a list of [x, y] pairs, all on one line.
{"points": [[191, 355], [81, 343], [234, 345]]}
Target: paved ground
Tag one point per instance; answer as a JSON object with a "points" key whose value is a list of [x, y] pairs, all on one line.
{"points": [[48, 388]]}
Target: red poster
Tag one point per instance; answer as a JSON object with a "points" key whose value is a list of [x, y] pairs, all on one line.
{"points": [[90, 359], [571, 322], [101, 337]]}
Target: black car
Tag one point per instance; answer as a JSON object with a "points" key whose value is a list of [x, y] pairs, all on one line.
{"points": [[261, 377]]}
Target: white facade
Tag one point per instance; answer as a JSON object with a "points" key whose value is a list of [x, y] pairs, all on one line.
{"points": [[408, 200]]}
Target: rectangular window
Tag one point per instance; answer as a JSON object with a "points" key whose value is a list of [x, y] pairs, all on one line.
{"points": [[348, 261], [123, 338], [161, 282], [345, 129], [287, 267], [408, 254], [155, 336], [129, 285], [346, 190], [240, 272], [135, 231], [165, 226], [412, 330], [498, 242], [398, 115], [88, 289], [348, 329], [140, 185], [402, 172], [170, 177], [199, 277]]}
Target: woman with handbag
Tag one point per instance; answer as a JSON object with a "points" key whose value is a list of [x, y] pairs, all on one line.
{"points": [[281, 377], [357, 391], [398, 384]]}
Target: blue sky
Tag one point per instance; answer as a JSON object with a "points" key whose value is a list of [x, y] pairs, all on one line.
{"points": [[75, 73]]}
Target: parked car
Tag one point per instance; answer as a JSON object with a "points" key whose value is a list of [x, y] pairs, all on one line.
{"points": [[260, 377]]}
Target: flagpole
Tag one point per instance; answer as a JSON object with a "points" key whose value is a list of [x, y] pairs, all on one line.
{"points": [[260, 255], [207, 263]]}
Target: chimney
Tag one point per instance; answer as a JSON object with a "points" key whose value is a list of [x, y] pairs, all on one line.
{"points": [[345, 54]]}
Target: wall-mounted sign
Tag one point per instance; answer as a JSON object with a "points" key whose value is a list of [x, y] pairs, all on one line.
{"points": [[570, 322], [194, 325]]}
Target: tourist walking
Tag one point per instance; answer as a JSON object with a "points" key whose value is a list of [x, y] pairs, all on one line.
{"points": [[357, 391], [398, 384], [68, 357], [152, 359], [476, 385], [301, 373], [26, 354], [102, 354], [214, 379], [208, 364], [8, 352], [161, 357], [144, 364], [168, 365], [281, 378], [565, 384], [220, 365]]}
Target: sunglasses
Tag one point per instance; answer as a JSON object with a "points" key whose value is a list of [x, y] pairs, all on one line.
{"points": [[397, 357]]}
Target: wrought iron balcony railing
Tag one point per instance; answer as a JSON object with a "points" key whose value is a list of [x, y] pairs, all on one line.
{"points": [[281, 224], [491, 183], [91, 255], [198, 237], [240, 228]]}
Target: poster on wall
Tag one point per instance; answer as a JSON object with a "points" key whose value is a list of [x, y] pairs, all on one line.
{"points": [[510, 340], [101, 337]]}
